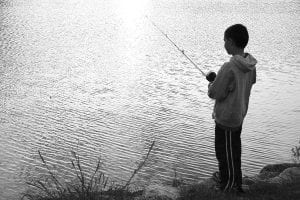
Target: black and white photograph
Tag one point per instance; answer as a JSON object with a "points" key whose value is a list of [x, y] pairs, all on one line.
{"points": [[149, 99]]}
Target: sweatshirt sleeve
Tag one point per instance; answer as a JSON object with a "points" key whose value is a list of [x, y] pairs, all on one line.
{"points": [[254, 76], [223, 84]]}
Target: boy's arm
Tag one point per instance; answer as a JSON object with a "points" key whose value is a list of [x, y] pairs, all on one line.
{"points": [[223, 84]]}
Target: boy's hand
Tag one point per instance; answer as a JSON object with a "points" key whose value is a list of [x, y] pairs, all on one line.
{"points": [[210, 76]]}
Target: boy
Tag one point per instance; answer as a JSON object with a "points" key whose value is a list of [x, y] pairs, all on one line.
{"points": [[231, 90]]}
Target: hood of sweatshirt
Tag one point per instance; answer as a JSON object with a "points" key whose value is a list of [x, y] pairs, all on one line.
{"points": [[245, 64]]}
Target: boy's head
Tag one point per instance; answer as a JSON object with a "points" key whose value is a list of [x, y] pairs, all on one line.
{"points": [[236, 37]]}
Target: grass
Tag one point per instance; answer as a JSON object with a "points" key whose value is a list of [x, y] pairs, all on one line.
{"points": [[94, 186], [296, 153]]}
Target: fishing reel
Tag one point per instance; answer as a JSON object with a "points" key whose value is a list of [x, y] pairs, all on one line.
{"points": [[210, 76]]}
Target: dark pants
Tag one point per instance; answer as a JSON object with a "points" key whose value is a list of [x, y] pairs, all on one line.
{"points": [[228, 153]]}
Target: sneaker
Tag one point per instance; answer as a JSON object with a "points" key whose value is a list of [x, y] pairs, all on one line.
{"points": [[238, 190], [218, 188], [216, 177]]}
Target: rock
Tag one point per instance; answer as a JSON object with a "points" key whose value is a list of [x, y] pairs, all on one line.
{"points": [[162, 191], [279, 174], [288, 176], [278, 167], [209, 183]]}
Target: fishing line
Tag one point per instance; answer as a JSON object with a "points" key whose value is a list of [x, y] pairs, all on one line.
{"points": [[172, 42]]}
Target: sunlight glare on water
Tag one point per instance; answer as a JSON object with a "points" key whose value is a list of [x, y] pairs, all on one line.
{"points": [[131, 10]]}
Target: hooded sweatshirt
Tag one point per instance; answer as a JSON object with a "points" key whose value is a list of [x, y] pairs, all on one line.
{"points": [[231, 90]]}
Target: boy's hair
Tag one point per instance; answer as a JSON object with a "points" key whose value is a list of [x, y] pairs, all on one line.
{"points": [[239, 34]]}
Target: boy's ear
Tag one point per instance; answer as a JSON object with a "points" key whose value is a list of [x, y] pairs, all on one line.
{"points": [[232, 42]]}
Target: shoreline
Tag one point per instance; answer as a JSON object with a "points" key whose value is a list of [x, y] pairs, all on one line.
{"points": [[275, 181], [284, 177]]}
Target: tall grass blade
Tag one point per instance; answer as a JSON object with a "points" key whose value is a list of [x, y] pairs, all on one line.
{"points": [[56, 182], [139, 166]]}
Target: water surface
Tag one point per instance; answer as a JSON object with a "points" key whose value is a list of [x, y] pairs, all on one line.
{"points": [[97, 78]]}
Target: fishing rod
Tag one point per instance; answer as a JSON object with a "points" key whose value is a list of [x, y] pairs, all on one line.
{"points": [[209, 76]]}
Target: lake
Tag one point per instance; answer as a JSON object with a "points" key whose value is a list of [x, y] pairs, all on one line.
{"points": [[96, 77]]}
